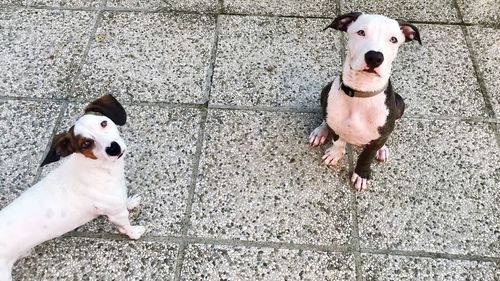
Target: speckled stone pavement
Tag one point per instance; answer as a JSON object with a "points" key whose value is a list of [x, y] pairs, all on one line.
{"points": [[221, 96]]}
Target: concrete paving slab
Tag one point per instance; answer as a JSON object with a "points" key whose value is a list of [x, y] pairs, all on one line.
{"points": [[399, 268], [438, 78], [192, 5], [480, 11], [206, 262], [26, 129], [41, 51], [52, 3], [98, 259], [322, 8], [149, 57], [159, 164], [438, 192], [415, 10], [274, 61], [260, 180], [486, 44]]}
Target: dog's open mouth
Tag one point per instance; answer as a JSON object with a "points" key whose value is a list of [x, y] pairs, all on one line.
{"points": [[121, 154], [371, 70]]}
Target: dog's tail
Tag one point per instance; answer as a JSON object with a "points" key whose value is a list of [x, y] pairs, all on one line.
{"points": [[400, 106]]}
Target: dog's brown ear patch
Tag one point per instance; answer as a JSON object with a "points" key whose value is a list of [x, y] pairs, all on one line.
{"points": [[62, 146], [342, 22], [410, 31], [108, 106]]}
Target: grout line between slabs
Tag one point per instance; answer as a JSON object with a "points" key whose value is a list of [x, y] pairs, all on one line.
{"points": [[432, 255], [220, 6], [479, 74], [284, 245], [197, 158], [214, 241], [92, 35], [179, 260], [164, 9], [482, 85], [190, 196], [165, 104], [39, 170]]}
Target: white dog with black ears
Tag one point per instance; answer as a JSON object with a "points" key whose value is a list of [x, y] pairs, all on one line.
{"points": [[360, 107], [89, 183]]}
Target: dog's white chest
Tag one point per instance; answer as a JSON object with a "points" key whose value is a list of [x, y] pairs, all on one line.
{"points": [[356, 120]]}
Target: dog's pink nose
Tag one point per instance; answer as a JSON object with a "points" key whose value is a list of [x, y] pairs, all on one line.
{"points": [[114, 149], [374, 59]]}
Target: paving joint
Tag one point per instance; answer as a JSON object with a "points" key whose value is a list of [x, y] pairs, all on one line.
{"points": [[188, 240], [92, 35], [223, 13], [197, 156], [60, 115], [432, 255], [479, 75], [482, 84], [179, 261], [317, 110]]}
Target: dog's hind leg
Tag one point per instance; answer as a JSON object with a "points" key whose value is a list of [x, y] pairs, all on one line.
{"points": [[383, 154], [133, 201], [319, 135], [400, 106]]}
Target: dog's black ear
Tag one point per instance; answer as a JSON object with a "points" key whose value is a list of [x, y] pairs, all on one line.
{"points": [[410, 31], [342, 22], [61, 147], [108, 106]]}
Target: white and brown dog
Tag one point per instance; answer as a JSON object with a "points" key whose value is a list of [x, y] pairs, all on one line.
{"points": [[90, 182], [360, 107]]}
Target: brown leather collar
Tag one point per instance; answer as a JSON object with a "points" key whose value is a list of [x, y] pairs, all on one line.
{"points": [[358, 94]]}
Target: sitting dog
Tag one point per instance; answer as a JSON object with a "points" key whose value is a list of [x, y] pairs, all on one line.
{"points": [[89, 183], [360, 107]]}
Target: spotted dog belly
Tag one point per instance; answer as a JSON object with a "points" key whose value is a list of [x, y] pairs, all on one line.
{"points": [[356, 120]]}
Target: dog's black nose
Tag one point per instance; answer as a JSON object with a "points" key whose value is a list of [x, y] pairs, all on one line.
{"points": [[114, 149], [374, 59]]}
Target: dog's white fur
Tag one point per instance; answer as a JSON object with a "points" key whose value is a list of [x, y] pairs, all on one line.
{"points": [[378, 32], [76, 192]]}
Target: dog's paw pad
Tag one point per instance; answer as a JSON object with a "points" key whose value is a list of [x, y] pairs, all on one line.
{"points": [[136, 232], [319, 135], [133, 201], [332, 156], [359, 183], [383, 154]]}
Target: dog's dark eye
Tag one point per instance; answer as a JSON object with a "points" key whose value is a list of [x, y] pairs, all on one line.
{"points": [[104, 124], [394, 40], [86, 144], [361, 33]]}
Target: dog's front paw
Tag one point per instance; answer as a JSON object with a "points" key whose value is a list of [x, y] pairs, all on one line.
{"points": [[133, 202], [359, 183], [332, 155], [319, 135], [136, 232], [383, 154]]}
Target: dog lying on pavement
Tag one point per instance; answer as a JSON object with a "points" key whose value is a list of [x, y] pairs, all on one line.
{"points": [[360, 107], [89, 183]]}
